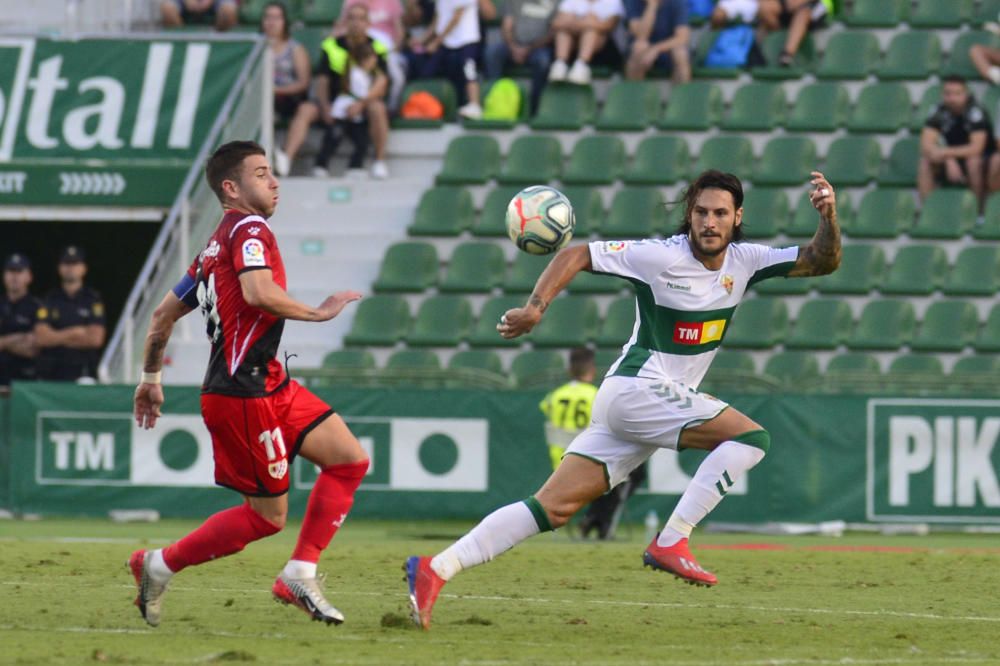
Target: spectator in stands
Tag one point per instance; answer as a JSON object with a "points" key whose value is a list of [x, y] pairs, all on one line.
{"points": [[956, 144], [70, 328], [331, 71], [18, 315], [583, 26], [176, 13], [987, 62], [452, 49], [799, 16], [386, 17], [291, 62], [660, 38], [526, 40]]}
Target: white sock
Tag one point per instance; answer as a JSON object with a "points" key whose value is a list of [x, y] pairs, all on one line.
{"points": [[994, 72], [158, 569], [495, 534], [719, 470], [300, 569]]}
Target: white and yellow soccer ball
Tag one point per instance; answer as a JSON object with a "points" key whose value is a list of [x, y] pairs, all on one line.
{"points": [[540, 219]]}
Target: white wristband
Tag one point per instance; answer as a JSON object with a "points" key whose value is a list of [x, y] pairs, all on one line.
{"points": [[152, 377]]}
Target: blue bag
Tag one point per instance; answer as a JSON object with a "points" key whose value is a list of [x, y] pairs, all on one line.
{"points": [[731, 47]]}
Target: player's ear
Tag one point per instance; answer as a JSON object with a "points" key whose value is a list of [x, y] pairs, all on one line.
{"points": [[738, 217]]}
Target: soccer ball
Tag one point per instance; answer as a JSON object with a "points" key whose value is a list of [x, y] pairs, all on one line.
{"points": [[540, 219]]}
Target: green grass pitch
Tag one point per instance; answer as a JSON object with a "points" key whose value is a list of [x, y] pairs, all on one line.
{"points": [[66, 598]]}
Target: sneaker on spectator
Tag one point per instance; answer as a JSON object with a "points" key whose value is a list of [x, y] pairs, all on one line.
{"points": [[282, 165], [558, 70], [472, 111], [320, 172], [579, 73], [379, 170]]}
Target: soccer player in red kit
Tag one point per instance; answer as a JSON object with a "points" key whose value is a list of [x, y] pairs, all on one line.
{"points": [[259, 418]]}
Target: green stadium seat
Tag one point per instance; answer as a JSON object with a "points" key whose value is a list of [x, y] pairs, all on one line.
{"points": [[884, 324], [765, 212], [991, 101], [731, 364], [948, 326], [531, 160], [784, 286], [485, 334], [539, 367], [819, 107], [475, 267], [905, 369], [492, 221], [976, 272], [958, 60], [883, 214], [937, 14], [311, 38], [470, 159], [900, 169], [823, 323], [564, 107], [987, 11], [805, 218], [793, 369], [480, 362], [570, 321], [853, 161], [913, 55], [408, 267], [980, 366], [588, 208], [877, 13], [380, 321], [756, 107], [881, 107], [704, 44], [988, 339], [445, 210], [759, 323], [916, 270], [616, 328], [853, 365], [523, 113], [990, 228], [630, 106], [787, 160], [659, 160], [726, 153], [524, 272], [592, 283], [774, 44], [251, 11], [929, 100], [321, 12], [636, 212], [441, 321], [604, 359], [413, 359], [849, 55], [442, 89], [349, 359], [860, 270], [695, 106], [596, 160], [946, 213]]}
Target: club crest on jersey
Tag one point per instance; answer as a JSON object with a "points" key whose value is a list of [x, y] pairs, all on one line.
{"points": [[253, 253], [727, 283], [253, 231], [698, 333], [278, 469]]}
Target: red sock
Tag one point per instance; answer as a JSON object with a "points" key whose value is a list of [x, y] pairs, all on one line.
{"points": [[330, 500], [224, 533]]}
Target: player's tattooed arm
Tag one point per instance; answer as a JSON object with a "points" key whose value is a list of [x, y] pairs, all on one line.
{"points": [[822, 255], [161, 325]]}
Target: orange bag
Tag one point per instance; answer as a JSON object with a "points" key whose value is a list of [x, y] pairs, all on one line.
{"points": [[422, 105]]}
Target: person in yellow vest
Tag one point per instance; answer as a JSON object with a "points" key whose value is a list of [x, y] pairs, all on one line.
{"points": [[567, 408]]}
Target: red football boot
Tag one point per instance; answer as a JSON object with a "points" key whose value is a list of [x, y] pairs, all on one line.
{"points": [[679, 561], [424, 587]]}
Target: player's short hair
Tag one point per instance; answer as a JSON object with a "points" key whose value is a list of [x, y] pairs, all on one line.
{"points": [[225, 163], [712, 179], [581, 361], [285, 30], [955, 78]]}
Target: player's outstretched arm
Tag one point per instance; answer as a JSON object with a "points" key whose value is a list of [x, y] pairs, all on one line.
{"points": [[822, 255], [149, 393], [559, 273], [262, 292]]}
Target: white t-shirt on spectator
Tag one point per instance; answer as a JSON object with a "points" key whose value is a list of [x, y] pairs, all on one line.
{"points": [[602, 9], [467, 30], [743, 10]]}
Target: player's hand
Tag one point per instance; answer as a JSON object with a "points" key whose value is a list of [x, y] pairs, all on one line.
{"points": [[518, 321], [332, 306], [823, 198], [147, 402]]}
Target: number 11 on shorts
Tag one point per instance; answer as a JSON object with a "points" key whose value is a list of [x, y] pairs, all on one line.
{"points": [[270, 438]]}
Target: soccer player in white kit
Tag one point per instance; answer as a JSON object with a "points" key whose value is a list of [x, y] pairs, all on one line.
{"points": [[687, 288]]}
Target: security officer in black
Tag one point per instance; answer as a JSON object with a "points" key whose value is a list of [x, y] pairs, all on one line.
{"points": [[70, 329], [18, 313]]}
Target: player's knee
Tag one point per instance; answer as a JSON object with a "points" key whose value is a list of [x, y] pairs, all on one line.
{"points": [[275, 518], [759, 439]]}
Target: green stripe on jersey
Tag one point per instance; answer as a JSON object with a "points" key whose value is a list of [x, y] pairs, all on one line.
{"points": [[658, 325], [775, 270]]}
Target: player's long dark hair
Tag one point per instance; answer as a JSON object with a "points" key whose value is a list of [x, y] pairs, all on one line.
{"points": [[711, 179], [225, 162]]}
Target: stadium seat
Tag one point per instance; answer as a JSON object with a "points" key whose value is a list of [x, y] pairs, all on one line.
{"points": [[474, 267], [492, 221], [907, 368], [883, 214], [485, 334], [787, 160], [570, 321], [251, 12], [958, 59], [913, 55], [413, 359], [630, 106], [946, 213], [819, 107], [765, 212], [853, 161], [596, 160], [823, 323], [805, 218], [779, 286], [659, 160], [539, 367], [948, 326], [442, 89], [703, 45], [730, 364], [524, 272], [881, 107], [695, 106], [531, 160], [564, 107], [604, 359], [980, 366], [916, 270], [523, 113], [849, 55], [380, 321], [479, 361], [852, 365], [616, 328], [976, 272], [441, 321], [877, 13], [900, 169], [343, 359], [726, 153], [793, 369], [988, 339], [884, 324], [445, 210], [591, 283], [756, 107], [470, 159], [937, 14], [987, 11], [758, 323], [588, 208], [860, 270], [928, 101], [408, 267], [990, 228], [321, 12], [774, 44], [636, 212]]}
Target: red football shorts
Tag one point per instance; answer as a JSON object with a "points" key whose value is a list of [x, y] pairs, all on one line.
{"points": [[254, 440]]}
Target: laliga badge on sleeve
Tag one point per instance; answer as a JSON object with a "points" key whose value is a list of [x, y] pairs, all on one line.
{"points": [[253, 253]]}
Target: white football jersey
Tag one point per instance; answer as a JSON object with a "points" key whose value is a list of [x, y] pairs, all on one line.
{"points": [[683, 309]]}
